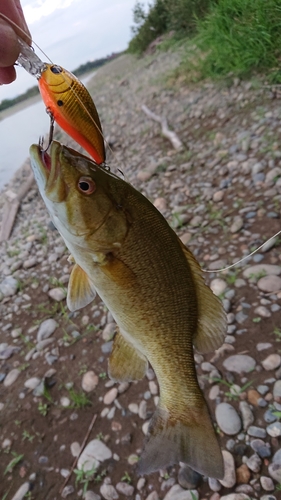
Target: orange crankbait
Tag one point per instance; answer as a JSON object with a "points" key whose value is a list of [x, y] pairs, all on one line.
{"points": [[71, 106], [68, 102]]}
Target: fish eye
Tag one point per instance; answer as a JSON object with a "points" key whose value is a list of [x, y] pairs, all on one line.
{"points": [[86, 185], [56, 69]]}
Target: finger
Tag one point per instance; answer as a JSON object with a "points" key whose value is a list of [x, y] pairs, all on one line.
{"points": [[12, 9], [9, 46], [7, 75]]}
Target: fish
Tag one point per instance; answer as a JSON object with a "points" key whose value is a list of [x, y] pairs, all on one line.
{"points": [[71, 106], [124, 250]]}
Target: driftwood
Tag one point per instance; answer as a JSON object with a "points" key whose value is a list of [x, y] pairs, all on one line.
{"points": [[169, 134], [11, 209]]}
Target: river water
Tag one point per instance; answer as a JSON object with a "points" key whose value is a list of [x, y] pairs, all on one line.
{"points": [[18, 132]]}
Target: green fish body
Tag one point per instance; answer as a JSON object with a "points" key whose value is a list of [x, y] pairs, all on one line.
{"points": [[125, 251]]}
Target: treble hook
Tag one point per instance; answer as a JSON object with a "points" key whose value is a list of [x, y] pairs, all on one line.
{"points": [[51, 130]]}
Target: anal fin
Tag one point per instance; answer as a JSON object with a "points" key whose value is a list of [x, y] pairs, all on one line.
{"points": [[125, 362]]}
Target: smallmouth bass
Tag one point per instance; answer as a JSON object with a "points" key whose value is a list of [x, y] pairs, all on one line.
{"points": [[125, 250]]}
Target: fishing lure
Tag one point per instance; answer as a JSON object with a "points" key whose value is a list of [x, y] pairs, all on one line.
{"points": [[67, 101]]}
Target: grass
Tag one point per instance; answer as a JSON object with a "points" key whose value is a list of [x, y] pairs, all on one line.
{"points": [[79, 399], [233, 394], [11, 465], [28, 436], [277, 333], [239, 36], [43, 408], [84, 477], [126, 478]]}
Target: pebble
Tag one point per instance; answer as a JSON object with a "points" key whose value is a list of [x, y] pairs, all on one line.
{"points": [[125, 489], [269, 284], [228, 419], [262, 346], [236, 225], [246, 414], [243, 474], [258, 269], [110, 396], [108, 332], [274, 471], [218, 286], [239, 363], [32, 382], [89, 381], [261, 448], [229, 478], [94, 453], [276, 459], [22, 491], [235, 496], [254, 463], [9, 286], [272, 362], [108, 492], [75, 449], [178, 493], [188, 478], [257, 432], [11, 377], [267, 483], [58, 294], [67, 490], [90, 495], [46, 329], [277, 389], [274, 429]]}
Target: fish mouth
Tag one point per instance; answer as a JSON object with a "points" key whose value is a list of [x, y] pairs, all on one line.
{"points": [[47, 171]]}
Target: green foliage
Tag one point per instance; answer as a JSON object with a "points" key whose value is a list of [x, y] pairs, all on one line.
{"points": [[17, 458], [239, 36], [83, 477], [7, 103], [163, 16]]}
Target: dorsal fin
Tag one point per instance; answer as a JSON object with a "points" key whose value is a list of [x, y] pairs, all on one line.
{"points": [[211, 316]]}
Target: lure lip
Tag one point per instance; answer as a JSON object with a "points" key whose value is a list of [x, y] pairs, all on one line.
{"points": [[29, 60]]}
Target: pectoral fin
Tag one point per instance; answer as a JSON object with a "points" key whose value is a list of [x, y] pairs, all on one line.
{"points": [[125, 362], [81, 290], [211, 316]]}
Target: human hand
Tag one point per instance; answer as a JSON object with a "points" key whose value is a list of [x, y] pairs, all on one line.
{"points": [[9, 46]]}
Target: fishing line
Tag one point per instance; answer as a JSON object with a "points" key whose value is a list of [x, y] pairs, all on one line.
{"points": [[241, 260], [69, 87]]}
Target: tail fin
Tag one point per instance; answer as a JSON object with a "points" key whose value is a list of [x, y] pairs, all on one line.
{"points": [[193, 442]]}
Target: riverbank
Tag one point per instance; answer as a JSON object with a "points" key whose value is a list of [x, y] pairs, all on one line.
{"points": [[221, 193]]}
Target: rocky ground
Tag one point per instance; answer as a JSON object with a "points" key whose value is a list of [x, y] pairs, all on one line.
{"points": [[221, 193]]}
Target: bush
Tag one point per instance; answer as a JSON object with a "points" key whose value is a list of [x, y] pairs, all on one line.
{"points": [[164, 16], [240, 35]]}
